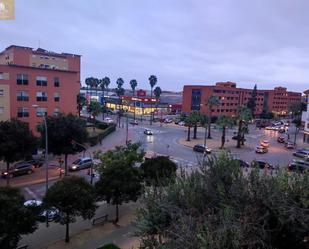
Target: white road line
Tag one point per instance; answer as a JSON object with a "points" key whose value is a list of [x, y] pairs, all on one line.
{"points": [[31, 193]]}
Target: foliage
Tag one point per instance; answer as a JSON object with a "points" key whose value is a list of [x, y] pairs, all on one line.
{"points": [[158, 171], [243, 116], [224, 122], [220, 207], [119, 90], [15, 218], [210, 103], [16, 142], [94, 108], [109, 246], [73, 197], [251, 104], [133, 84], [119, 180], [92, 82], [62, 130], [81, 102], [93, 140], [295, 108], [152, 81], [157, 92], [104, 83]]}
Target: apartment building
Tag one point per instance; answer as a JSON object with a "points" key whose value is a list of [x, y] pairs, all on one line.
{"points": [[305, 118], [231, 97], [38, 77]]}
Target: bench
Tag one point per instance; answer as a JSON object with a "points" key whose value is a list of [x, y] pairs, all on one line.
{"points": [[99, 220], [22, 247]]}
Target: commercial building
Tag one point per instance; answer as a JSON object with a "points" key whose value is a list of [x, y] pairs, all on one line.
{"points": [[231, 97], [37, 77], [305, 118]]}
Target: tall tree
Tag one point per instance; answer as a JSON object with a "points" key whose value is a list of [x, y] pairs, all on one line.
{"points": [[81, 102], [152, 82], [295, 109], [210, 103], [73, 197], [195, 118], [16, 219], [251, 104], [16, 142], [243, 116], [119, 91], [157, 92], [133, 84], [94, 108], [189, 122], [62, 130], [224, 122], [104, 83], [119, 180], [91, 83]]}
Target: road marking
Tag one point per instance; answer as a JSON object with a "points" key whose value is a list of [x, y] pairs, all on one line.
{"points": [[31, 193]]}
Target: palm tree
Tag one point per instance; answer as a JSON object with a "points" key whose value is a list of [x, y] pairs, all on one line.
{"points": [[195, 117], [119, 91], [103, 85], [133, 84], [189, 122], [243, 116], [94, 109], [152, 81], [81, 102], [223, 122], [211, 101], [157, 92]]}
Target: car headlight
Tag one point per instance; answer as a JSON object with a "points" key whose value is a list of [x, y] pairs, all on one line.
{"points": [[74, 167], [5, 173]]}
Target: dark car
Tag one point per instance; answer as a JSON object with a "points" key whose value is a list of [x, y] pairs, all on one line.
{"points": [[201, 148], [236, 138], [82, 163], [281, 139], [37, 163], [21, 168], [242, 163], [299, 166], [261, 150], [303, 153], [262, 165]]}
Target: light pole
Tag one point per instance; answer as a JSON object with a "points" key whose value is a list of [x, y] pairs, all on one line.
{"points": [[46, 155]]}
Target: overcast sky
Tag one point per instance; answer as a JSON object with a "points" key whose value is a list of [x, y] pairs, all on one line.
{"points": [[180, 41]]}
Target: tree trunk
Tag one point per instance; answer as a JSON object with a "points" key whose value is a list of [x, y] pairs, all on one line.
{"points": [[67, 232], [188, 138], [209, 124], [194, 131], [134, 104], [117, 213], [79, 110], [8, 175], [239, 134], [223, 138], [65, 164]]}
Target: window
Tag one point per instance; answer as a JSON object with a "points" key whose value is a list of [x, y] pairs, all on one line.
{"points": [[1, 93], [41, 96], [41, 111], [22, 112], [41, 81], [196, 99], [22, 96], [56, 97], [1, 110], [56, 111], [1, 76], [22, 79], [56, 82]]}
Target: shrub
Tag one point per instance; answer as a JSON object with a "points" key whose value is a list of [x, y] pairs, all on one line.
{"points": [[109, 246], [93, 140]]}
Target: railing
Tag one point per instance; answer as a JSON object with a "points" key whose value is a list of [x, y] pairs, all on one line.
{"points": [[100, 220], [22, 247]]}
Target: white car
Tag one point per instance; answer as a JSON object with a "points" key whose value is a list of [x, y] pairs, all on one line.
{"points": [[53, 213], [108, 120], [148, 132], [181, 123]]}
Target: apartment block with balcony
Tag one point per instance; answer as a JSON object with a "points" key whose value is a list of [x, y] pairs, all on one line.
{"points": [[305, 118], [37, 77], [231, 97]]}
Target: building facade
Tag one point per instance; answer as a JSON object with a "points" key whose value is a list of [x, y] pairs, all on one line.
{"points": [[28, 77], [305, 118], [231, 97]]}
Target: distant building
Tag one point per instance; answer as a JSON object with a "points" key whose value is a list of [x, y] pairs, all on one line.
{"points": [[305, 118], [37, 77], [231, 97]]}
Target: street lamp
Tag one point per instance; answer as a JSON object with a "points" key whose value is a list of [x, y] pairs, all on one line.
{"points": [[46, 155]]}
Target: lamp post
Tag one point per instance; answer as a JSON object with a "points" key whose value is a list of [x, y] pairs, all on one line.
{"points": [[46, 155]]}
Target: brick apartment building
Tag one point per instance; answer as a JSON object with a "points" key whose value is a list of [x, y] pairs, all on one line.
{"points": [[305, 118], [37, 77], [231, 97]]}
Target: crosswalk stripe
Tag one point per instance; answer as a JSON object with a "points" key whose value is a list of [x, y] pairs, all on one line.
{"points": [[31, 193]]}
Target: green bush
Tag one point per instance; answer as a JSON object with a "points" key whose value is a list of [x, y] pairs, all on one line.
{"points": [[109, 246], [99, 137]]}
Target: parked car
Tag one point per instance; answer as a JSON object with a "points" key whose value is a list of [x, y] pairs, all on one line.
{"points": [[21, 168], [82, 163], [53, 213], [298, 165], [134, 122], [37, 163], [168, 121], [302, 153], [264, 143], [181, 123], [201, 148], [261, 150], [281, 139], [289, 145], [242, 163], [262, 165], [148, 132], [108, 120]]}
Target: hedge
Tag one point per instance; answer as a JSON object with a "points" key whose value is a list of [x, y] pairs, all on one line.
{"points": [[98, 138], [109, 246]]}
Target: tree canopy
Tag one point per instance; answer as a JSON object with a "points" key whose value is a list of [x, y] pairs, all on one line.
{"points": [[251, 104], [15, 218], [72, 196]]}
